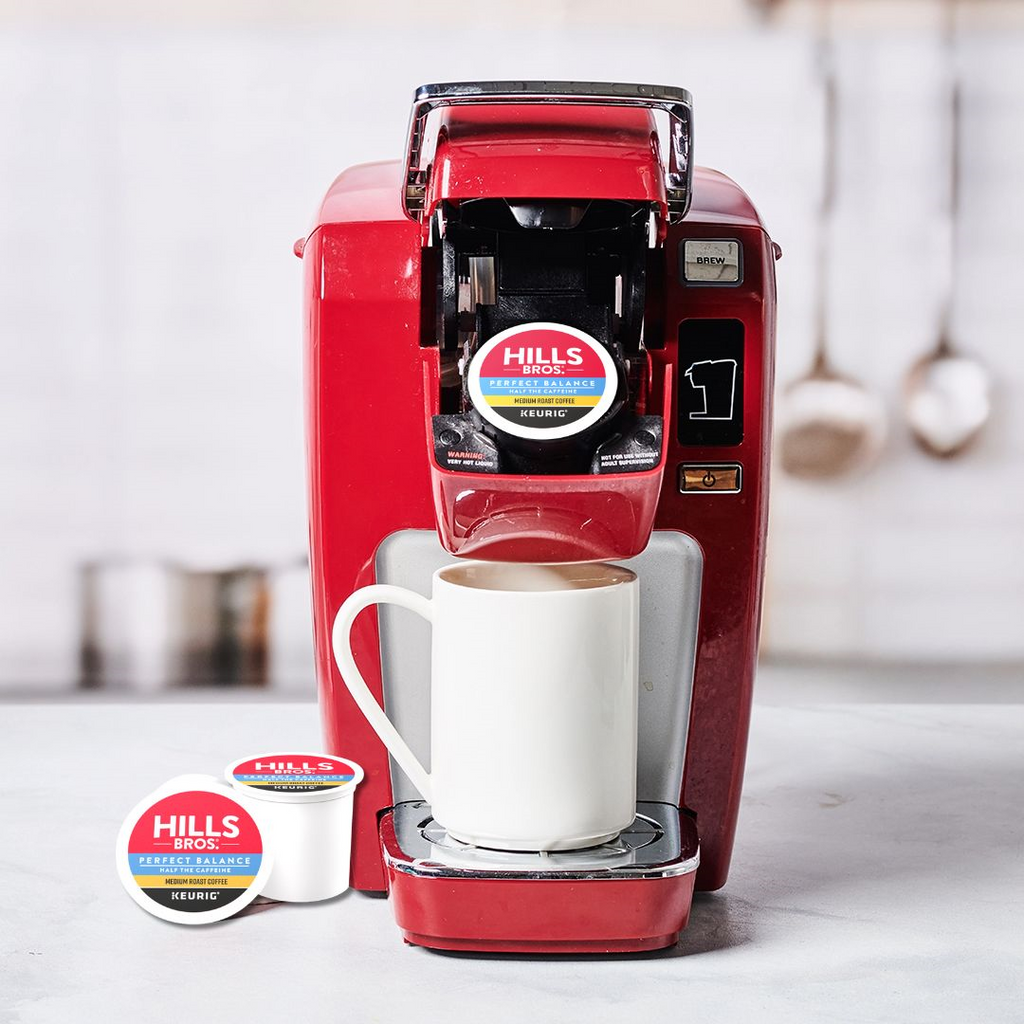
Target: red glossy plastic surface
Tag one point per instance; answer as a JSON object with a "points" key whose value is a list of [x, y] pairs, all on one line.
{"points": [[366, 471], [546, 152], [540, 916], [369, 476], [544, 518], [731, 529]]}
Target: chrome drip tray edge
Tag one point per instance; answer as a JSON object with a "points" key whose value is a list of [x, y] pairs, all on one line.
{"points": [[654, 846]]}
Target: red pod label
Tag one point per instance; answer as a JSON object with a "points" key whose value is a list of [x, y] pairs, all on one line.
{"points": [[294, 773], [542, 381], [195, 851]]}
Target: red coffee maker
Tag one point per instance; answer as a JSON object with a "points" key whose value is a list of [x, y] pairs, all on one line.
{"points": [[522, 209]]}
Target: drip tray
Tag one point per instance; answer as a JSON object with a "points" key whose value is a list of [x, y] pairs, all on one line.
{"points": [[660, 843]]}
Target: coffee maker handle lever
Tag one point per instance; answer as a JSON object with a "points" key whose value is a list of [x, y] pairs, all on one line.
{"points": [[353, 679]]}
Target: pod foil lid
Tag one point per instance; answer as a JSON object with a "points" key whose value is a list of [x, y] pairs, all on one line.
{"points": [[190, 853], [299, 778]]}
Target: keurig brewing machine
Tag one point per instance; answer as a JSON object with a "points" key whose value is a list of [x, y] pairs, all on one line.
{"points": [[544, 337]]}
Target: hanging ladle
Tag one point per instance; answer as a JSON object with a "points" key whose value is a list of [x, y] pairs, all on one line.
{"points": [[948, 396], [829, 424]]}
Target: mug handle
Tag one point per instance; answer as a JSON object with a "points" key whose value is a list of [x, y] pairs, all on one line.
{"points": [[379, 593]]}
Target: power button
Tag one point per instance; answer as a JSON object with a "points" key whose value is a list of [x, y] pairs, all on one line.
{"points": [[716, 477]]}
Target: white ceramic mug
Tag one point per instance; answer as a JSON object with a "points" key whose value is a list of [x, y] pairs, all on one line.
{"points": [[533, 701]]}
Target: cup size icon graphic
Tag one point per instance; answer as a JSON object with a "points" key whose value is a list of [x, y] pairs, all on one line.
{"points": [[716, 380]]}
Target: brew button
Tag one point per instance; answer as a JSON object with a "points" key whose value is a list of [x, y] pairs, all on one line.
{"points": [[720, 478], [712, 261]]}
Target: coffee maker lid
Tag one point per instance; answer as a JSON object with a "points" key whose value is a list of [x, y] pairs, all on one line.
{"points": [[294, 777], [190, 853]]}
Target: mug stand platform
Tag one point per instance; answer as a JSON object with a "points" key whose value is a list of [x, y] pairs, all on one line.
{"points": [[447, 895]]}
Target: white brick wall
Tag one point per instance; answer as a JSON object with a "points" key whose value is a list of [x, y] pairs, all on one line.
{"points": [[154, 176]]}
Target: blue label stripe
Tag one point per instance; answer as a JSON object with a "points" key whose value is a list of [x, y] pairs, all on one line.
{"points": [[194, 863], [544, 385]]}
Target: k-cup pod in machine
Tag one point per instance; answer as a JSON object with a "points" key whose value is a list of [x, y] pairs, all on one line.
{"points": [[304, 803], [191, 853]]}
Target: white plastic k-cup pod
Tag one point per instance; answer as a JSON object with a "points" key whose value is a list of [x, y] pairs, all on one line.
{"points": [[191, 853], [303, 803]]}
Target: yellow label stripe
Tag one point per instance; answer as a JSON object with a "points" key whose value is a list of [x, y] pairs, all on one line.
{"points": [[294, 782], [569, 400], [193, 881]]}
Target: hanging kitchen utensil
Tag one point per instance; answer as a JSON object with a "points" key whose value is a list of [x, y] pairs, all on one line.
{"points": [[948, 396], [828, 424]]}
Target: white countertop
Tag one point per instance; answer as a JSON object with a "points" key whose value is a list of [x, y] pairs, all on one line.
{"points": [[878, 876]]}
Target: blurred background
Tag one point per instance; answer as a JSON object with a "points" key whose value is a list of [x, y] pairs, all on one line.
{"points": [[158, 162]]}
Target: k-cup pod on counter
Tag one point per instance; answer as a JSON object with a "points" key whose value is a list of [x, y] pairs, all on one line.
{"points": [[303, 803], [191, 853]]}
